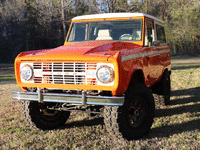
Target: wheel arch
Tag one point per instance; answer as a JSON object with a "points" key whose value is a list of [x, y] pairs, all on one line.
{"points": [[155, 88], [137, 76]]}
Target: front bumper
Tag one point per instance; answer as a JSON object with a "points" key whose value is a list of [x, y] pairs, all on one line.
{"points": [[69, 98]]}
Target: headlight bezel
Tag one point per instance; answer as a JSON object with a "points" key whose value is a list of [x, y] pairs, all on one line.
{"points": [[110, 72], [23, 73]]}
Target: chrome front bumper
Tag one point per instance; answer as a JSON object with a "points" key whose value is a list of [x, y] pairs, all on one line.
{"points": [[69, 98]]}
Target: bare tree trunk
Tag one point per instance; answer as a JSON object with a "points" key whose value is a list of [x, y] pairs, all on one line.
{"points": [[101, 6], [147, 7], [108, 7], [174, 47], [63, 19]]}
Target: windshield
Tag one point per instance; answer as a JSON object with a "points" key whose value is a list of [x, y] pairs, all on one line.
{"points": [[128, 30]]}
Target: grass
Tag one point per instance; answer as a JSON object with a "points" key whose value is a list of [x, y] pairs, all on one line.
{"points": [[2, 78], [175, 126]]}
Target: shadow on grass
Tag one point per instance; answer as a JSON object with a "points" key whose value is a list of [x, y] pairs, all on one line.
{"points": [[192, 91], [194, 94], [82, 123], [9, 81], [169, 130], [185, 67], [195, 97], [189, 105], [178, 110]]}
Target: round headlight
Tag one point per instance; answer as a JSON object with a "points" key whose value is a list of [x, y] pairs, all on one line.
{"points": [[105, 74], [26, 72]]}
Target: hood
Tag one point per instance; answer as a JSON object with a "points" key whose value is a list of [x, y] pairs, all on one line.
{"points": [[80, 51]]}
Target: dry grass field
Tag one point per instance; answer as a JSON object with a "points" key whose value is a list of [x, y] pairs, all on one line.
{"points": [[175, 127]]}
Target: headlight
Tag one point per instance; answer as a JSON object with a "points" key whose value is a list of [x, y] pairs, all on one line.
{"points": [[105, 74], [26, 72]]}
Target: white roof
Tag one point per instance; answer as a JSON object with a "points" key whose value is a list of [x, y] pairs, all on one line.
{"points": [[115, 15]]}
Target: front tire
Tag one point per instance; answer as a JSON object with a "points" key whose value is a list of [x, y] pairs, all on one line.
{"points": [[134, 119], [38, 116]]}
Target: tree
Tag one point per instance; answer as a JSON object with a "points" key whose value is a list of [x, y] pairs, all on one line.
{"points": [[183, 25], [11, 28], [36, 24]]}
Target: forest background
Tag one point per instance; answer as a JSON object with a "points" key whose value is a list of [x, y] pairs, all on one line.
{"points": [[41, 24]]}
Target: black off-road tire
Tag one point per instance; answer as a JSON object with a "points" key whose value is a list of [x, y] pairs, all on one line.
{"points": [[165, 89], [37, 115], [134, 119], [162, 90]]}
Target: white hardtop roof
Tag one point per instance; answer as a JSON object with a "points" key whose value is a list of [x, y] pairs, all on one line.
{"points": [[115, 15]]}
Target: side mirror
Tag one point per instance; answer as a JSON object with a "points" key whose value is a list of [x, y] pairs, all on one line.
{"points": [[156, 43]]}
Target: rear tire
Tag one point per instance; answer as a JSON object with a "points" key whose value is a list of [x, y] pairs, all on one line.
{"points": [[165, 87], [38, 116], [134, 119], [162, 90]]}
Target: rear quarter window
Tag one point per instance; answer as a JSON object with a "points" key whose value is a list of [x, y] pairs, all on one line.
{"points": [[160, 33]]}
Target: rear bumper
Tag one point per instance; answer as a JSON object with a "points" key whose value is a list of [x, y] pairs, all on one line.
{"points": [[69, 98]]}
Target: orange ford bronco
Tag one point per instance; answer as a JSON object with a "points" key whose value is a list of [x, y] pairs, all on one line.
{"points": [[110, 63]]}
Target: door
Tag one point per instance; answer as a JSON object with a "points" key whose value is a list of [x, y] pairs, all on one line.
{"points": [[152, 55]]}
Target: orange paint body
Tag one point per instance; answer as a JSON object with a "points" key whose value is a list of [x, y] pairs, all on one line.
{"points": [[126, 57]]}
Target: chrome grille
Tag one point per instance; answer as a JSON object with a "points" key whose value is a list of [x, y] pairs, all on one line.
{"points": [[64, 73]]}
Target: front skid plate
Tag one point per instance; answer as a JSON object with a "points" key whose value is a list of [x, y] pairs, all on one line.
{"points": [[69, 98]]}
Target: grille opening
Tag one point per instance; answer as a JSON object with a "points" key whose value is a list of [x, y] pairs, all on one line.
{"points": [[64, 73], [68, 67], [47, 68], [69, 79], [37, 79], [37, 66], [79, 79], [92, 81], [57, 67], [80, 68], [47, 79], [58, 79], [91, 66]]}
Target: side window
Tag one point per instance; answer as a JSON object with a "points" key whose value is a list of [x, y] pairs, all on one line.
{"points": [[149, 33], [160, 33]]}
